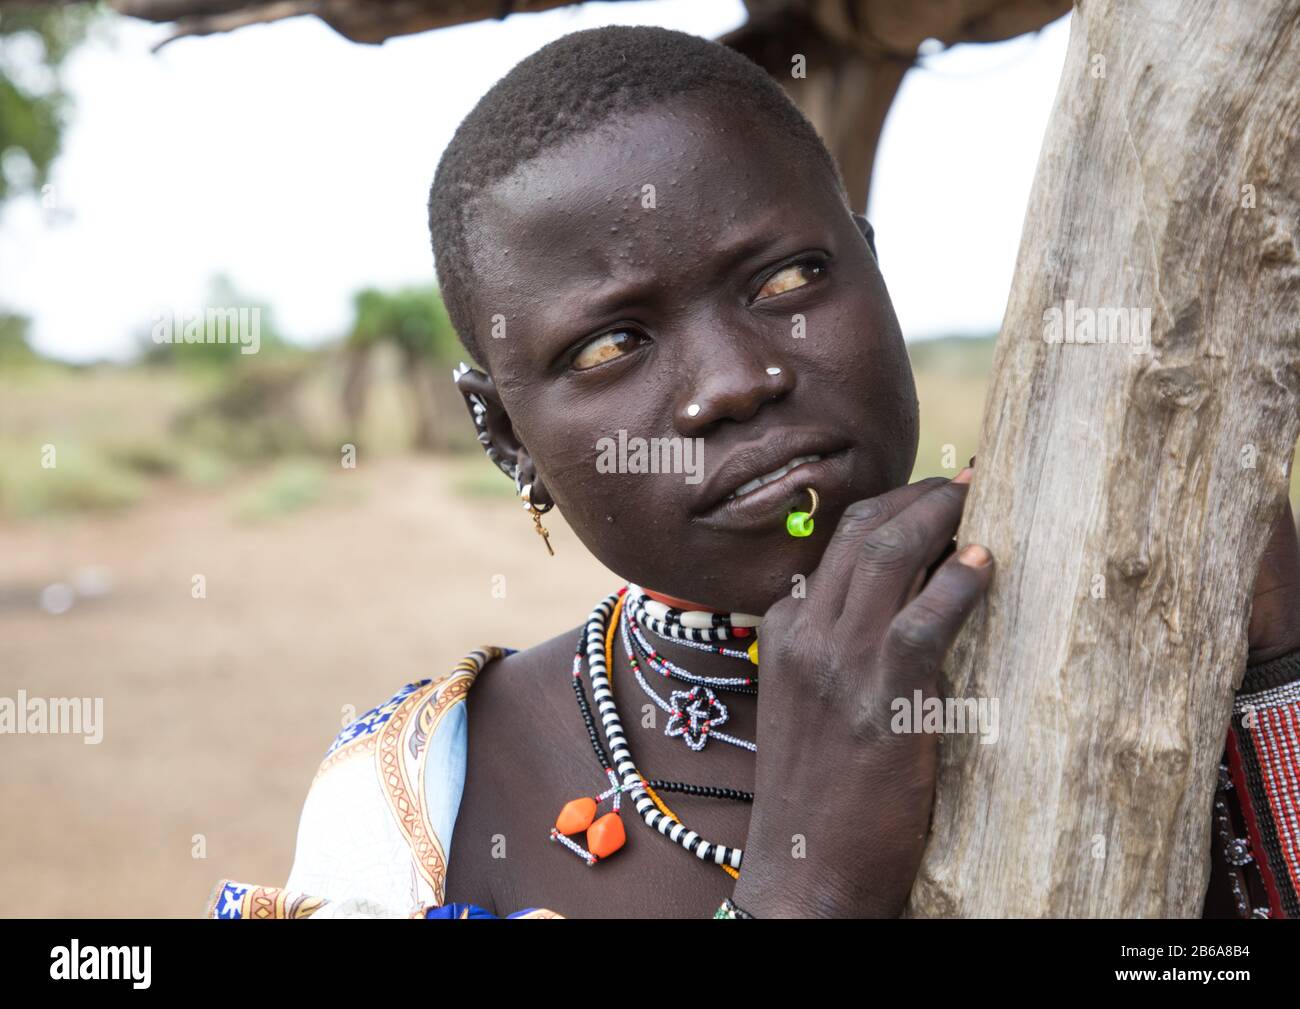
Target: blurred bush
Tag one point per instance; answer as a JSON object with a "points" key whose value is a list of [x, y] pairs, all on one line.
{"points": [[15, 352]]}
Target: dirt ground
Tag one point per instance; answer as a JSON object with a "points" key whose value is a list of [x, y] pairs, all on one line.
{"points": [[218, 709]]}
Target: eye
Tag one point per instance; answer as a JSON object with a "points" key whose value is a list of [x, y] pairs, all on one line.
{"points": [[606, 347], [788, 278]]}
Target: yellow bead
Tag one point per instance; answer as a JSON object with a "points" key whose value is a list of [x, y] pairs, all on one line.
{"points": [[753, 652]]}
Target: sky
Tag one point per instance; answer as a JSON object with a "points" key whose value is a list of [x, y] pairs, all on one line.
{"points": [[297, 164]]}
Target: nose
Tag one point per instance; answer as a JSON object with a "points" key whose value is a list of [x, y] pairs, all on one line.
{"points": [[738, 375]]}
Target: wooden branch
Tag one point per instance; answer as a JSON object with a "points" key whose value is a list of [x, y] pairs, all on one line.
{"points": [[845, 92], [370, 21], [216, 24], [1127, 495], [879, 27]]}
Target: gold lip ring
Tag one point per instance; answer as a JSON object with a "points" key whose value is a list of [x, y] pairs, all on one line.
{"points": [[815, 501]]}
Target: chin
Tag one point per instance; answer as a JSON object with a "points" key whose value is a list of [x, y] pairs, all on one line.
{"points": [[753, 584]]}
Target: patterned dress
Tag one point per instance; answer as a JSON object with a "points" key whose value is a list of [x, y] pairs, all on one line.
{"points": [[376, 827]]}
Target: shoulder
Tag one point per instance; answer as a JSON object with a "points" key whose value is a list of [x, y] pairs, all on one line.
{"points": [[525, 686], [378, 816], [553, 658], [437, 693], [375, 828]]}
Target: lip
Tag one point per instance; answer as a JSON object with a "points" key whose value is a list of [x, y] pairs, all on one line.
{"points": [[772, 501]]}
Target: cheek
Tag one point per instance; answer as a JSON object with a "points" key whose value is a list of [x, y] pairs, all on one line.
{"points": [[596, 468], [865, 356], [626, 520]]}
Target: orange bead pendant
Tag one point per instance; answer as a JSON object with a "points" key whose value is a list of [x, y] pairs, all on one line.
{"points": [[576, 816], [606, 835]]}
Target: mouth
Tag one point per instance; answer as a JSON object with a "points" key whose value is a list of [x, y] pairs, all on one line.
{"points": [[775, 475], [763, 501]]}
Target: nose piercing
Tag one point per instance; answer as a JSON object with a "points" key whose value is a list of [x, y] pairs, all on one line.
{"points": [[800, 524], [774, 371], [693, 409]]}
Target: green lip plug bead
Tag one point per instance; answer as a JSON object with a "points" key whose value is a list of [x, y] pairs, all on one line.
{"points": [[799, 524]]}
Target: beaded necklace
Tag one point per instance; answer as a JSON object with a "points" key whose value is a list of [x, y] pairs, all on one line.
{"points": [[694, 714], [664, 666], [605, 834], [691, 625]]}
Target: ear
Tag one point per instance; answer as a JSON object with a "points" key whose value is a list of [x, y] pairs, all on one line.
{"points": [[496, 433], [868, 232]]}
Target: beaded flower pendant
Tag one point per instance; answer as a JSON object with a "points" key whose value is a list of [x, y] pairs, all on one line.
{"points": [[695, 713]]}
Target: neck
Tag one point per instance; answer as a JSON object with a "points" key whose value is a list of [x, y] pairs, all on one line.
{"points": [[696, 660], [679, 604], [661, 756]]}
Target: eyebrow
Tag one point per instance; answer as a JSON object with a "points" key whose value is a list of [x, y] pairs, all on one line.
{"points": [[617, 297]]}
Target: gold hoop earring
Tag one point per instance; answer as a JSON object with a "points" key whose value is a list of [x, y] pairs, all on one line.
{"points": [[527, 494]]}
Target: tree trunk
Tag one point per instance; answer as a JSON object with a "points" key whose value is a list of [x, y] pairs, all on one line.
{"points": [[420, 380], [847, 103], [356, 388], [1127, 495]]}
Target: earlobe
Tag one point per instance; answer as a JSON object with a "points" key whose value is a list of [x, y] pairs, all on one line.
{"points": [[868, 232]]}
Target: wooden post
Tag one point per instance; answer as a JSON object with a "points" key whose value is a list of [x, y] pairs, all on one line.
{"points": [[1127, 491]]}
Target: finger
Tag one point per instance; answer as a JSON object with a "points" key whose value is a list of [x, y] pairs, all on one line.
{"points": [[919, 638], [895, 553], [859, 519], [923, 576]]}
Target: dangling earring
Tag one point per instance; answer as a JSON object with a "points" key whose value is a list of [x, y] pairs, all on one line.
{"points": [[527, 494]]}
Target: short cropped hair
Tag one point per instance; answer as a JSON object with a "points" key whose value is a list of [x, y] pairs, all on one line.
{"points": [[567, 88]]}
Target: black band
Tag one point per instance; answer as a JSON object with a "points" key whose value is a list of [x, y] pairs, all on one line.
{"points": [[1275, 673]]}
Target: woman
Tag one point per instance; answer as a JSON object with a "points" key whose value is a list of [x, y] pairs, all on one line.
{"points": [[641, 240]]}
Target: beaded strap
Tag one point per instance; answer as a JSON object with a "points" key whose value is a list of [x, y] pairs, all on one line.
{"points": [[730, 909], [1263, 765]]}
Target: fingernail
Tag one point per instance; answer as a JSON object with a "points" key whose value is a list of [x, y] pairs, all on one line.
{"points": [[964, 476], [974, 556]]}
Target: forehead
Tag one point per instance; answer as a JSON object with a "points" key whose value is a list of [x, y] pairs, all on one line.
{"points": [[641, 199]]}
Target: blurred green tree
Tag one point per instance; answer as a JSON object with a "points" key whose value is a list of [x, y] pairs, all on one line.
{"points": [[34, 44], [415, 321]]}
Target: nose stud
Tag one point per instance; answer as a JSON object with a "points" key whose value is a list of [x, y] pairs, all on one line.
{"points": [[774, 371], [693, 410]]}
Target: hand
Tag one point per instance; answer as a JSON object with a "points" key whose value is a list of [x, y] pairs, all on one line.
{"points": [[829, 768], [1275, 610]]}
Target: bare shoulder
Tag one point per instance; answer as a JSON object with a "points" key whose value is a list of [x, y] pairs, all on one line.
{"points": [[528, 684]]}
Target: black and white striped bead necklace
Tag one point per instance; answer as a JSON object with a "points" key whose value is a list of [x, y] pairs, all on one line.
{"points": [[688, 626], [631, 779]]}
